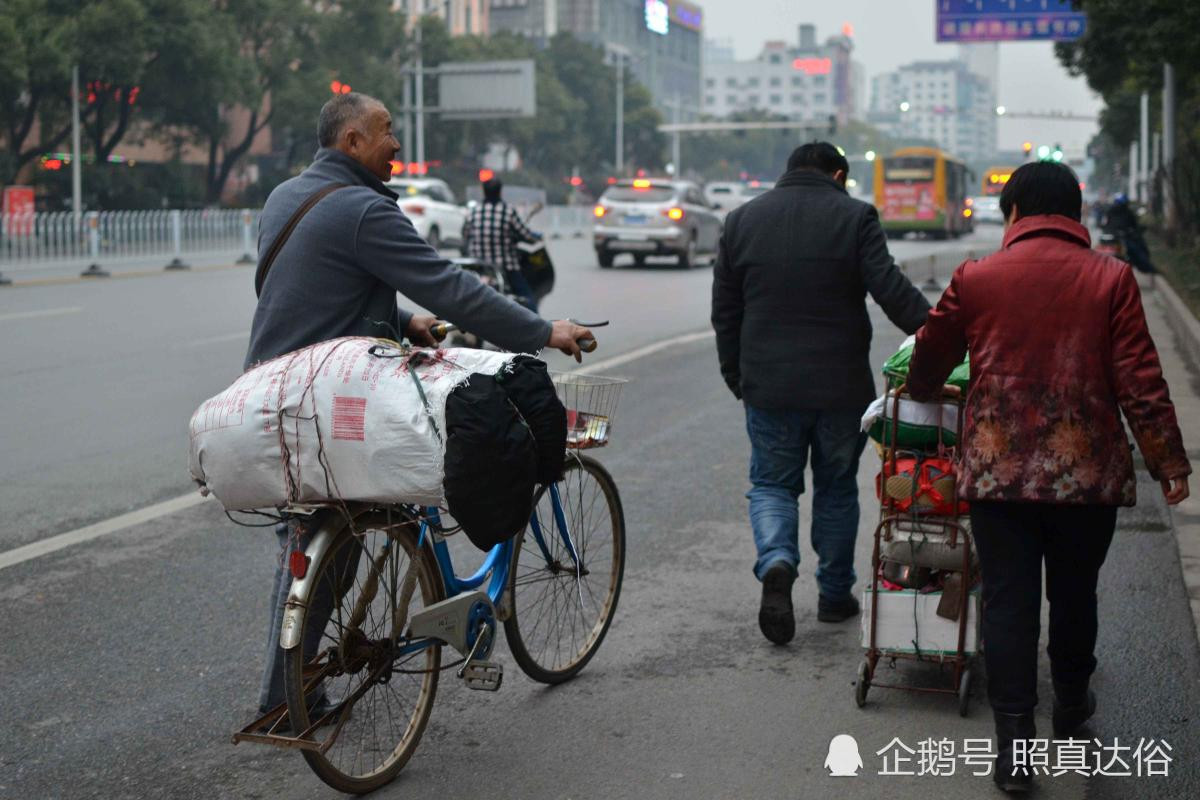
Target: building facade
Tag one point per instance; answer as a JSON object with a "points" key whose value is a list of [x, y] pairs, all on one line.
{"points": [[806, 81], [463, 17], [659, 41], [942, 101]]}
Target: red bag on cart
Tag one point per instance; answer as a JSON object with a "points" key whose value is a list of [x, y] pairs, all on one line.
{"points": [[921, 485]]}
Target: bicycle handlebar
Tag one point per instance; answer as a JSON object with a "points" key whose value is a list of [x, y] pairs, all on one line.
{"points": [[439, 331]]}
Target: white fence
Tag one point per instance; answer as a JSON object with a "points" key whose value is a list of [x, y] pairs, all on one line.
{"points": [[40, 241], [109, 237]]}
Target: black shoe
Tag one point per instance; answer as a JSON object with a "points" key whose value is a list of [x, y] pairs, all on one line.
{"points": [[315, 712], [1009, 727], [775, 617], [836, 610], [1073, 706]]}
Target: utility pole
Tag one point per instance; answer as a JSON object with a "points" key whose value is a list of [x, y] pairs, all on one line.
{"points": [[620, 157], [675, 153], [1168, 144], [406, 102], [1144, 154], [420, 111], [76, 156], [1133, 170]]}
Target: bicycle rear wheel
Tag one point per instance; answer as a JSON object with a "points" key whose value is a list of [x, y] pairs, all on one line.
{"points": [[560, 614], [370, 583]]}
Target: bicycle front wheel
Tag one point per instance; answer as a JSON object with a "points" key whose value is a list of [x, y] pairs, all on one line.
{"points": [[562, 608], [364, 590]]}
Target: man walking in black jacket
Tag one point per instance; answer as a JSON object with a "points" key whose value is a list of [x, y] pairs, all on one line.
{"points": [[793, 337]]}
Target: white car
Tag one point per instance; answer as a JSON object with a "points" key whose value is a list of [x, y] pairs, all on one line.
{"points": [[986, 209], [433, 209], [723, 195]]}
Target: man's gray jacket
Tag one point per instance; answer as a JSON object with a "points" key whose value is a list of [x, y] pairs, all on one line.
{"points": [[789, 296], [340, 270]]}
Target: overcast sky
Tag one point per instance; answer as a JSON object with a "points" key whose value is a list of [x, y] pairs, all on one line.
{"points": [[890, 33]]}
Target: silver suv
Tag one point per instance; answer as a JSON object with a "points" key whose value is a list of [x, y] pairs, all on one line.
{"points": [[653, 217]]}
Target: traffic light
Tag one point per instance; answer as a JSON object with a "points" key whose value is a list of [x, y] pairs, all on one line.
{"points": [[486, 175], [1057, 155], [1027, 147], [1044, 152], [337, 87]]}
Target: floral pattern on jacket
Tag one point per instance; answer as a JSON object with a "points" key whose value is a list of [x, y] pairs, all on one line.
{"points": [[1059, 350]]}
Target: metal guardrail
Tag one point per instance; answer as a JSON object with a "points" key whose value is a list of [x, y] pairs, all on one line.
{"points": [[106, 237], [98, 239], [559, 221]]}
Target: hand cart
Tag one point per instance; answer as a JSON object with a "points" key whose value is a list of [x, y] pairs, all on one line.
{"points": [[917, 513]]}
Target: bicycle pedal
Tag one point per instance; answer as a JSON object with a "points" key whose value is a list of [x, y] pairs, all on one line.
{"points": [[483, 676]]}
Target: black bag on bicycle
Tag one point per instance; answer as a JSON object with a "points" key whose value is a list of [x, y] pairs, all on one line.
{"points": [[527, 382], [491, 463]]}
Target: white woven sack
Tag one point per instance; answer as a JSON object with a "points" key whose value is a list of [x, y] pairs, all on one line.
{"points": [[340, 420]]}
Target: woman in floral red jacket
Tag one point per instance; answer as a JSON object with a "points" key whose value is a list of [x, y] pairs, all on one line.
{"points": [[1059, 349]]}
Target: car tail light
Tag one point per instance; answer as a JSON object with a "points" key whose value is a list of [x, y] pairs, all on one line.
{"points": [[599, 211], [414, 209], [675, 213]]}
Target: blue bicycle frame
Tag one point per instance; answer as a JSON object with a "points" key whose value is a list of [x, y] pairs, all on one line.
{"points": [[499, 558]]}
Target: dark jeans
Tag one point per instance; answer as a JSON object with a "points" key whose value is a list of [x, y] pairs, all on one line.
{"points": [[1013, 540], [780, 443], [271, 692], [520, 287]]}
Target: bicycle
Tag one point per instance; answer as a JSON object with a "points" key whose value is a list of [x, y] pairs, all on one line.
{"points": [[395, 600]]}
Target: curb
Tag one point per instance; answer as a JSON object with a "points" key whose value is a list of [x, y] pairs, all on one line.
{"points": [[1185, 518], [25, 283]]}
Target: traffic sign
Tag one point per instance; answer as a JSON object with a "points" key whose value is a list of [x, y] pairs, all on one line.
{"points": [[1008, 21]]}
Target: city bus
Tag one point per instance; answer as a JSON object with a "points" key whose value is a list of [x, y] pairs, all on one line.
{"points": [[922, 190], [994, 179]]}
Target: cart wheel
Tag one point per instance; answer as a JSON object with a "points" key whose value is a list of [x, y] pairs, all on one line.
{"points": [[863, 684], [964, 693]]}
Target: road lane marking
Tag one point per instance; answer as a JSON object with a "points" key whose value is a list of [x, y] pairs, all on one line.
{"points": [[63, 540], [45, 312], [79, 535], [642, 352]]}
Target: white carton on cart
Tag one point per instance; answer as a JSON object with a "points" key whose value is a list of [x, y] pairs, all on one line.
{"points": [[906, 616]]}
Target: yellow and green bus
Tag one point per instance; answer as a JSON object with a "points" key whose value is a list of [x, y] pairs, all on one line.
{"points": [[994, 179], [922, 190]]}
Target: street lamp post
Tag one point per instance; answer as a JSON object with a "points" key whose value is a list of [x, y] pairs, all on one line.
{"points": [[620, 156]]}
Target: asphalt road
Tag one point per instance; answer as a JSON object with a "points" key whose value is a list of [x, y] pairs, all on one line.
{"points": [[130, 659]]}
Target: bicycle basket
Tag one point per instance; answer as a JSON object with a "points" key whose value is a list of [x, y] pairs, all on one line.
{"points": [[591, 403]]}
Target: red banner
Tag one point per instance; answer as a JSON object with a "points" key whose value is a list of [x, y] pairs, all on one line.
{"points": [[18, 210]]}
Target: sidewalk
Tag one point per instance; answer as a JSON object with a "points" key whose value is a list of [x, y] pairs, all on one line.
{"points": [[1176, 332]]}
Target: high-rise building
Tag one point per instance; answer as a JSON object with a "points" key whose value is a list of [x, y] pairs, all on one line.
{"points": [[461, 16], [659, 41], [942, 101], [534, 19], [806, 81]]}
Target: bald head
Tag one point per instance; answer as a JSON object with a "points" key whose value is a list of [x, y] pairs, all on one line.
{"points": [[361, 127]]}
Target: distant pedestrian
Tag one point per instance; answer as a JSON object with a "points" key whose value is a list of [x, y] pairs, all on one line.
{"points": [[493, 230], [793, 270], [1059, 349]]}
